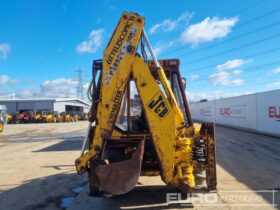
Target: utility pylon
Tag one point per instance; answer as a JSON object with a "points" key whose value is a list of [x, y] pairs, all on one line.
{"points": [[80, 92]]}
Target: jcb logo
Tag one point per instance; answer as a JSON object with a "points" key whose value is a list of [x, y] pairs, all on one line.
{"points": [[158, 105]]}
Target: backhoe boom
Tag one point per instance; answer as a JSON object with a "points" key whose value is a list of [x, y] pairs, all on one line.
{"points": [[160, 139]]}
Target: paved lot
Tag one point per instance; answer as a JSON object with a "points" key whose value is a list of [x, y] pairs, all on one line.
{"points": [[37, 164], [37, 172]]}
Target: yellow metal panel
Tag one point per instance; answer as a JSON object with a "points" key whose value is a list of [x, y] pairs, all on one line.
{"points": [[160, 116], [197, 128], [173, 142], [117, 61]]}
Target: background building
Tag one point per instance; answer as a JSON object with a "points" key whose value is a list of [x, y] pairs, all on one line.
{"points": [[48, 104]]}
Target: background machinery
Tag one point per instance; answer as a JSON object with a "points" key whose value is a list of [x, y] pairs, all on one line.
{"points": [[48, 117], [26, 116], [66, 117], [140, 121], [74, 116], [39, 116], [13, 118], [57, 116], [3, 117]]}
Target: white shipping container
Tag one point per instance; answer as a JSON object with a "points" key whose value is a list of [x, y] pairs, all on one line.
{"points": [[193, 110], [206, 111], [259, 112], [237, 111], [268, 112]]}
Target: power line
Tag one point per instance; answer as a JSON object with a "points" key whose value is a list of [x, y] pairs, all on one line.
{"points": [[230, 40], [238, 26], [248, 68], [258, 17], [236, 48], [249, 7], [245, 85], [80, 92], [244, 57], [251, 79]]}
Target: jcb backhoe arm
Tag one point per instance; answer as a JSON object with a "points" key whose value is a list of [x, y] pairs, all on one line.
{"points": [[117, 61], [114, 159]]}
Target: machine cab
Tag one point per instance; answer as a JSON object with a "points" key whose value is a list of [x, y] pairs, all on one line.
{"points": [[131, 115]]}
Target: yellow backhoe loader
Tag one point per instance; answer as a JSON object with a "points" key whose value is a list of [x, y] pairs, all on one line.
{"points": [[40, 115], [48, 117], [65, 117], [140, 122], [9, 118], [57, 117]]}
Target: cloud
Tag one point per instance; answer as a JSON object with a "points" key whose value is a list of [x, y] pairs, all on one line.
{"points": [[236, 72], [160, 46], [231, 64], [168, 25], [195, 96], [5, 49], [5, 95], [208, 30], [274, 71], [59, 88], [223, 78], [28, 93], [236, 82], [86, 86], [93, 42], [223, 75], [7, 83], [273, 84], [226, 71], [213, 95], [194, 77], [6, 80]]}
